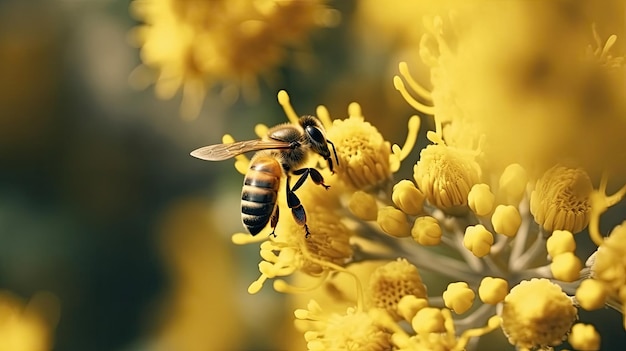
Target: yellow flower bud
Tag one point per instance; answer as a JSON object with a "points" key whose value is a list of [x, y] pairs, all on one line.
{"points": [[591, 294], [566, 267], [363, 205], [493, 290], [393, 281], [513, 184], [409, 305], [458, 297], [506, 220], [537, 313], [480, 199], [426, 231], [446, 175], [408, 198], [584, 337], [559, 242], [478, 240], [561, 199], [393, 221], [429, 320]]}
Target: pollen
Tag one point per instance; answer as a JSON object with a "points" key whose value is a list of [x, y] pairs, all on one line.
{"points": [[364, 155], [537, 313], [446, 174], [560, 200], [393, 281]]}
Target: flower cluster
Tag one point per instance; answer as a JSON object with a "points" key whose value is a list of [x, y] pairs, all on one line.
{"points": [[494, 221], [195, 44]]}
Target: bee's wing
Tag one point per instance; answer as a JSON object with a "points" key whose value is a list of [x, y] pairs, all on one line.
{"points": [[221, 152]]}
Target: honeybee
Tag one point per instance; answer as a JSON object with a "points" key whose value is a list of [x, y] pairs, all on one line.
{"points": [[285, 148]]}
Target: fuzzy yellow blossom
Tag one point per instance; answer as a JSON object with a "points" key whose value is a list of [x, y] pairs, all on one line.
{"points": [[566, 267], [537, 313], [446, 175], [393, 281], [363, 205], [506, 220], [512, 184], [408, 198], [560, 200], [609, 266], [584, 337], [493, 290], [193, 45], [559, 242], [393, 221], [591, 294], [409, 305], [328, 243], [362, 151], [354, 330], [480, 199], [426, 231], [478, 240], [459, 297]]}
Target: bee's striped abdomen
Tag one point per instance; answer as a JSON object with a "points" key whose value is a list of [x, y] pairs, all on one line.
{"points": [[259, 192]]}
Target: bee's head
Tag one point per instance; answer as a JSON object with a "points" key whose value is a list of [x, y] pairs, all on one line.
{"points": [[314, 132]]}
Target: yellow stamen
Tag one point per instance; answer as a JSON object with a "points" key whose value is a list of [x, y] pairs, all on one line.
{"points": [[283, 100], [399, 85], [401, 153], [421, 91], [324, 116]]}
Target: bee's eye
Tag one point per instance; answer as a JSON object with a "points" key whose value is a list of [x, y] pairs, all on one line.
{"points": [[315, 134]]}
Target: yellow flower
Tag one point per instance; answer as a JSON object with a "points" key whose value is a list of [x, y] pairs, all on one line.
{"points": [[537, 313], [328, 244], [560, 200], [28, 326], [354, 330], [609, 266], [445, 175], [393, 281], [194, 44], [364, 155]]}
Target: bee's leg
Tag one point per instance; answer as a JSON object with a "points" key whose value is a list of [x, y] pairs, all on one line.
{"points": [[313, 173], [299, 215], [274, 220]]}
